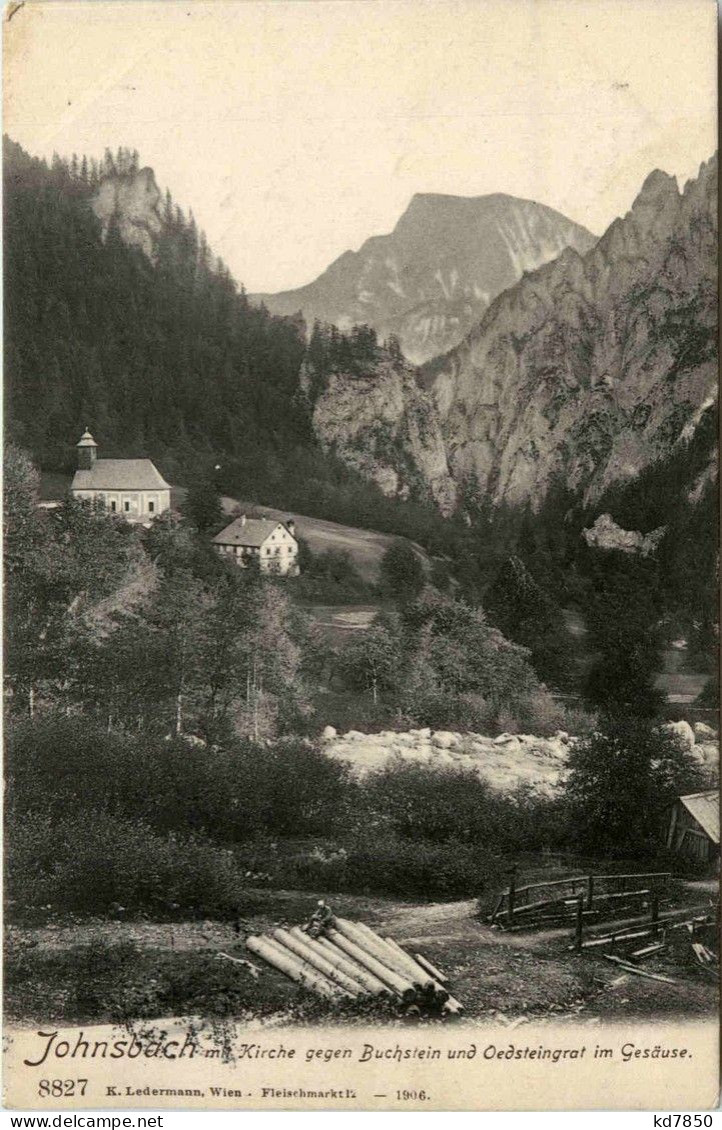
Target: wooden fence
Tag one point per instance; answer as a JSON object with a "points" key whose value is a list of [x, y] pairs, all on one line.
{"points": [[579, 898]]}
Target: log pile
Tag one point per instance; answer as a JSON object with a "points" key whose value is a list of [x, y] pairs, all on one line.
{"points": [[343, 960]]}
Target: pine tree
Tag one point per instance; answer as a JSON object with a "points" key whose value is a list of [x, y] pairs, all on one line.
{"points": [[401, 572], [526, 614], [203, 506], [620, 781]]}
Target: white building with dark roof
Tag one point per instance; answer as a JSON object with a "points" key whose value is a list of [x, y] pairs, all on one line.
{"points": [[272, 544], [133, 488]]}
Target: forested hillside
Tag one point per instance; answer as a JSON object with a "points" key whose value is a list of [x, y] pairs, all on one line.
{"points": [[163, 357]]}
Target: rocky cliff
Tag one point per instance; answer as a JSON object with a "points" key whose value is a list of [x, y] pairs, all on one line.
{"points": [[606, 534], [385, 427], [596, 364], [132, 201], [431, 279]]}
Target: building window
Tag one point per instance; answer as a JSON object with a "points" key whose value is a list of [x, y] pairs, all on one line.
{"points": [[113, 506], [151, 507], [126, 506]]}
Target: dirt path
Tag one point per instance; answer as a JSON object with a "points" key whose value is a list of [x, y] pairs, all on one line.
{"points": [[437, 923]]}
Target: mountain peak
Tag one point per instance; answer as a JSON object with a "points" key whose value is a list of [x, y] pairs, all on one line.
{"points": [[657, 186], [432, 278]]}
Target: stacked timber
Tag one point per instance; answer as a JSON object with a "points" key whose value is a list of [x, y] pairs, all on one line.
{"points": [[344, 961]]}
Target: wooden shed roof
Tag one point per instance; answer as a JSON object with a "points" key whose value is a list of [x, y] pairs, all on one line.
{"points": [[704, 807]]}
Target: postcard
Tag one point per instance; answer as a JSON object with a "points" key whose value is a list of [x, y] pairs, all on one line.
{"points": [[361, 633]]}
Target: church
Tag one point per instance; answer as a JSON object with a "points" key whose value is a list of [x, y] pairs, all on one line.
{"points": [[133, 488]]}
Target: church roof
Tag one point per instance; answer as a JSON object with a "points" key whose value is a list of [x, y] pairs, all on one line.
{"points": [[252, 532], [120, 474]]}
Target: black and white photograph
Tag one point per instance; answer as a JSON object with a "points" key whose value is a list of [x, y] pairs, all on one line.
{"points": [[361, 593]]}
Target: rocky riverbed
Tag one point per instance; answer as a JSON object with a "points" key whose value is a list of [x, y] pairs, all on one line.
{"points": [[505, 762]]}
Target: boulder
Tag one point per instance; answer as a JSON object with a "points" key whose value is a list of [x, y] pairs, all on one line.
{"points": [[444, 758], [708, 753], [442, 739], [484, 746], [683, 731], [329, 732], [405, 739], [704, 733]]}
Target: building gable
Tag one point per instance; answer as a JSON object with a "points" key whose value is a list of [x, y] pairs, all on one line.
{"points": [[255, 533]]}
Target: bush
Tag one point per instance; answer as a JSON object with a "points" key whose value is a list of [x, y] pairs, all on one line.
{"points": [[329, 577], [579, 722], [442, 711], [299, 790], [421, 869], [356, 711], [532, 822], [382, 864], [97, 863], [422, 802], [67, 764], [536, 713]]}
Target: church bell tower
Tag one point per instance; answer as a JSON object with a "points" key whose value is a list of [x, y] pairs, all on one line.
{"points": [[87, 451]]}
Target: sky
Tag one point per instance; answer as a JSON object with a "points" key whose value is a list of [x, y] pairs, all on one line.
{"points": [[296, 129]]}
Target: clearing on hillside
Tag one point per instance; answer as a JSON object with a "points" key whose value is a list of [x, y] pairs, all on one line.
{"points": [[365, 547]]}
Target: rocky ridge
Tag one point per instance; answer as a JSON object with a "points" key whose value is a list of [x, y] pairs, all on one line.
{"points": [[594, 365]]}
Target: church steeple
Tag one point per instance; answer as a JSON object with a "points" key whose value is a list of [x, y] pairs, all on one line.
{"points": [[87, 451]]}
